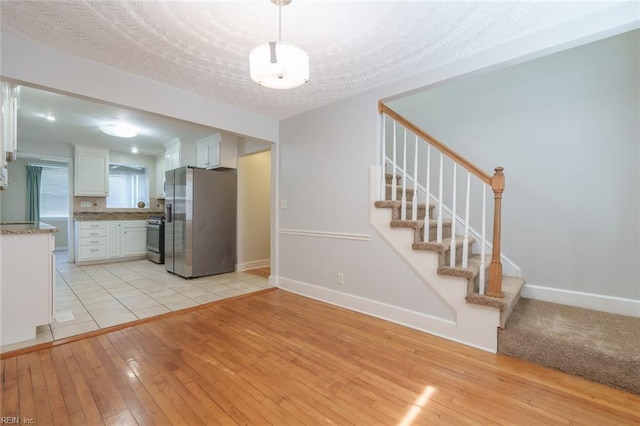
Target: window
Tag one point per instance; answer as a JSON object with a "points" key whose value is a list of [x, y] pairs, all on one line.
{"points": [[128, 185], [54, 190]]}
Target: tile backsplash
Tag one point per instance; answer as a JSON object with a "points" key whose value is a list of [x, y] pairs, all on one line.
{"points": [[99, 204]]}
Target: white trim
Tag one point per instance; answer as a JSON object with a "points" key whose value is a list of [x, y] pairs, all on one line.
{"points": [[597, 302], [416, 320], [325, 234], [252, 264]]}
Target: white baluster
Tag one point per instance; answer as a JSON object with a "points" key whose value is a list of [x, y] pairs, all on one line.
{"points": [[439, 223], [394, 185], [403, 206], [484, 241], [452, 245], [425, 235], [465, 246], [383, 156], [414, 204]]}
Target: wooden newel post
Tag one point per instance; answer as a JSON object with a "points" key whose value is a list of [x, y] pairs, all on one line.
{"points": [[495, 268]]}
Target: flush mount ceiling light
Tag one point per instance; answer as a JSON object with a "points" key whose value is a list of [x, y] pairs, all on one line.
{"points": [[279, 65], [119, 130]]}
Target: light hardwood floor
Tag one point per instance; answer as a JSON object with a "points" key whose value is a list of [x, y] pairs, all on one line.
{"points": [[278, 358]]}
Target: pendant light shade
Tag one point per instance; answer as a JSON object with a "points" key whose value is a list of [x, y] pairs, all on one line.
{"points": [[278, 65]]}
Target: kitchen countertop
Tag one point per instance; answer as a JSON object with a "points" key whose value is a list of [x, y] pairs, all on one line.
{"points": [[135, 215], [26, 228]]}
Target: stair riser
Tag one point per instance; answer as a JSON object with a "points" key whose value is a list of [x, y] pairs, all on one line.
{"points": [[433, 233], [474, 284], [445, 257], [388, 178], [388, 191], [396, 213]]}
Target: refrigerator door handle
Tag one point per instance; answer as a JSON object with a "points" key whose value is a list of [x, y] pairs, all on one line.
{"points": [[169, 217]]}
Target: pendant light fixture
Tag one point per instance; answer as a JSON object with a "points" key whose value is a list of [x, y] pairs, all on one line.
{"points": [[279, 65]]}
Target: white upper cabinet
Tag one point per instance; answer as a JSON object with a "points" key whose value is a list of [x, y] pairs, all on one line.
{"points": [[208, 151], [172, 155], [8, 128], [91, 176], [10, 99]]}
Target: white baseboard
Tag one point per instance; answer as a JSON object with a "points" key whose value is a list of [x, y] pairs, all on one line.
{"points": [[597, 302], [273, 280], [429, 324], [252, 264]]}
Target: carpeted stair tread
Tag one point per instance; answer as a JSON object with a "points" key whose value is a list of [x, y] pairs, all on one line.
{"points": [[443, 246], [389, 176], [511, 287], [599, 346], [398, 204], [399, 188], [397, 223], [472, 269]]}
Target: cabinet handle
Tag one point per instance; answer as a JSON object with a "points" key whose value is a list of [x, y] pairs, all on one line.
{"points": [[95, 242], [93, 250], [94, 233]]}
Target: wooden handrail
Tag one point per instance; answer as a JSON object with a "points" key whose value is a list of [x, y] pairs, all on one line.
{"points": [[496, 182], [486, 178]]}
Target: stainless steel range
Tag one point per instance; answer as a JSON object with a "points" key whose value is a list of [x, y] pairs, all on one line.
{"points": [[155, 239]]}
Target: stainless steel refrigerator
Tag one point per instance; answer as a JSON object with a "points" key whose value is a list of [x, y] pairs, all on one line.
{"points": [[200, 221]]}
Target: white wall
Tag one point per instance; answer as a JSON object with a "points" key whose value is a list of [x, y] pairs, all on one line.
{"points": [[254, 210], [565, 128], [324, 164]]}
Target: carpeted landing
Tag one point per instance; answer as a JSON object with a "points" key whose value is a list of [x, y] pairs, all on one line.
{"points": [[595, 345]]}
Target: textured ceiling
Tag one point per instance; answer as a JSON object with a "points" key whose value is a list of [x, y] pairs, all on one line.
{"points": [[203, 46]]}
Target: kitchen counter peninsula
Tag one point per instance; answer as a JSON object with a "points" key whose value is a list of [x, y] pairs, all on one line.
{"points": [[26, 279], [26, 228]]}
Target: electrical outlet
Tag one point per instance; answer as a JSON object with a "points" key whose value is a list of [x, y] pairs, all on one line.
{"points": [[283, 204], [340, 278]]}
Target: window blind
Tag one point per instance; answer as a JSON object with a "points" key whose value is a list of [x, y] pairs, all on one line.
{"points": [[54, 190]]}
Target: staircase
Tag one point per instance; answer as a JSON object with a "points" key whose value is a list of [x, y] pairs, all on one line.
{"points": [[511, 286], [470, 283]]}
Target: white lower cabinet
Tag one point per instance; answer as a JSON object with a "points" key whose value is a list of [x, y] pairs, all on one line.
{"points": [[110, 240], [115, 238], [91, 240], [134, 238]]}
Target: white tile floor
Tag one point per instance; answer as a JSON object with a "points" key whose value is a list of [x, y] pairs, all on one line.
{"points": [[100, 296]]}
